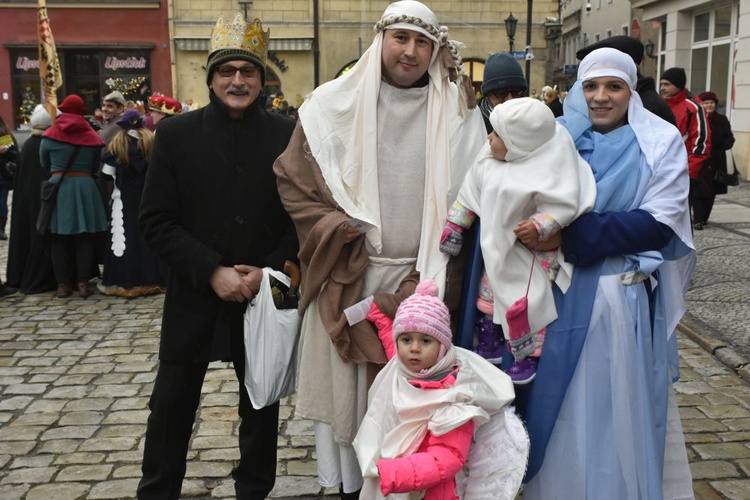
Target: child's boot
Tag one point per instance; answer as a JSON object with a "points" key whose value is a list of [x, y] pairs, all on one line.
{"points": [[522, 372], [491, 340]]}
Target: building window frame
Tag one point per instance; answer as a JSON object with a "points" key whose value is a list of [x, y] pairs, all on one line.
{"points": [[713, 56]]}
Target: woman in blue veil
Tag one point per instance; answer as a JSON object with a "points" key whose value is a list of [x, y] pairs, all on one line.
{"points": [[601, 413]]}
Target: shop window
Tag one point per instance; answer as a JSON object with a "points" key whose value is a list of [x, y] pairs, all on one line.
{"points": [[25, 85], [89, 73], [127, 72]]}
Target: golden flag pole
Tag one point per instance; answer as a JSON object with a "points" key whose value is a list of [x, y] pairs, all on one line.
{"points": [[49, 64]]}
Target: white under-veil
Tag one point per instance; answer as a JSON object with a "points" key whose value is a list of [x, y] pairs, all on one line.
{"points": [[340, 123]]}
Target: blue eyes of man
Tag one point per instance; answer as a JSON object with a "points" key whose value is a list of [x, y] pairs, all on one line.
{"points": [[230, 71]]}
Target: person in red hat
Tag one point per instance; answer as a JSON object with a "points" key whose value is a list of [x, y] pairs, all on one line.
{"points": [[161, 107], [722, 140], [70, 150]]}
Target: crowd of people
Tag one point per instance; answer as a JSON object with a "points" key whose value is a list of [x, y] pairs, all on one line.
{"points": [[93, 234], [540, 342]]}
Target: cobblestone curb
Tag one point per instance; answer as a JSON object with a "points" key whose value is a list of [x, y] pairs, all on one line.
{"points": [[700, 333]]}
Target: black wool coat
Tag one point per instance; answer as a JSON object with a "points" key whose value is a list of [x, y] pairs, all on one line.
{"points": [[652, 101], [211, 199], [722, 139]]}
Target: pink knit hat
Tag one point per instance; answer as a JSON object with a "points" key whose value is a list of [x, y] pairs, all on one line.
{"points": [[425, 313]]}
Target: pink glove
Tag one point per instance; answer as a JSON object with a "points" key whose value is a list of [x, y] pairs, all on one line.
{"points": [[384, 325]]}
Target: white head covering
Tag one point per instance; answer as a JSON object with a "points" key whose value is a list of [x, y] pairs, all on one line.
{"points": [[401, 12], [609, 62], [660, 142], [40, 118], [340, 123], [524, 125]]}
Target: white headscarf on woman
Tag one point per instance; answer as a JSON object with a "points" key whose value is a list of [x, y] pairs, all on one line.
{"points": [[665, 195], [659, 142], [340, 123]]}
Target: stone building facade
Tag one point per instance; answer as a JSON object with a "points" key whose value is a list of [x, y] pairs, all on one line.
{"points": [[344, 29]]}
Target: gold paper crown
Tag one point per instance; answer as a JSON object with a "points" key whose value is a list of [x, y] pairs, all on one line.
{"points": [[240, 36], [164, 104]]}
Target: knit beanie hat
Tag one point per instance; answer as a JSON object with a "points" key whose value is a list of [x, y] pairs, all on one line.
{"points": [[675, 76], [72, 104], [623, 43], [425, 313], [501, 71], [523, 124], [226, 55]]}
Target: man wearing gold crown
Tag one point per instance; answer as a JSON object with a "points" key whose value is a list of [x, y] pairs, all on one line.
{"points": [[161, 107], [212, 212], [368, 178]]}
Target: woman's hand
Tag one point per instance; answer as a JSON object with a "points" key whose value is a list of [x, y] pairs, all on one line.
{"points": [[551, 243]]}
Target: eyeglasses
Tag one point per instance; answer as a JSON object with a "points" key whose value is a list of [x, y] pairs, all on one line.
{"points": [[502, 94], [229, 71]]}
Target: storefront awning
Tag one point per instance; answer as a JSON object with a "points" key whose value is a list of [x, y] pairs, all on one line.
{"points": [[277, 44]]}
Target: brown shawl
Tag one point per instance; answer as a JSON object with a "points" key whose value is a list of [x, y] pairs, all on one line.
{"points": [[332, 269]]}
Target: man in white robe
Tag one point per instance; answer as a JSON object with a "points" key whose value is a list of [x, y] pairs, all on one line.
{"points": [[384, 148]]}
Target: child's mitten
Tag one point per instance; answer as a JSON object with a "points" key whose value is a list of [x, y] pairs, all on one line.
{"points": [[384, 325], [451, 240]]}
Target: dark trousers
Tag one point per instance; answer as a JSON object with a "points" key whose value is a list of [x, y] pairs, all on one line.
{"points": [[174, 402], [72, 256]]}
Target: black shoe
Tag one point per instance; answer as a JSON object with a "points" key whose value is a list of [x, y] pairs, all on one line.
{"points": [[84, 290], [63, 291], [698, 226], [349, 496], [6, 290]]}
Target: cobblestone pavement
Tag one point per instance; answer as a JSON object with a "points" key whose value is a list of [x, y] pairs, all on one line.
{"points": [[75, 376]]}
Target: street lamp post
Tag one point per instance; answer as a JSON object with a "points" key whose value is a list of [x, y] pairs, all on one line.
{"points": [[528, 42], [245, 4], [510, 28]]}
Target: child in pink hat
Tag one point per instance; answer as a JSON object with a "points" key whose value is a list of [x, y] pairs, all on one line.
{"points": [[427, 405]]}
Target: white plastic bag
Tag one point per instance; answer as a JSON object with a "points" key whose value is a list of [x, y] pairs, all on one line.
{"points": [[271, 337]]}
